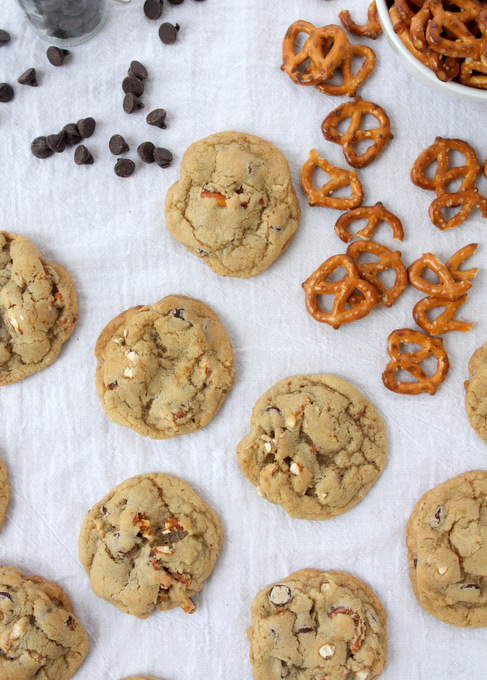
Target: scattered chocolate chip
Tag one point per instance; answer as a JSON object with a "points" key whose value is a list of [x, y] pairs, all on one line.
{"points": [[470, 585], [72, 134], [305, 629], [178, 312], [71, 623], [86, 127], [6, 92], [280, 595], [138, 70], [40, 149], [82, 156], [168, 33], [157, 118], [3, 593], [199, 0], [56, 55], [131, 103], [57, 143], [175, 2], [163, 157], [4, 37], [124, 167], [272, 408], [146, 152], [118, 145], [110, 386], [28, 77], [153, 9], [134, 85], [415, 562]]}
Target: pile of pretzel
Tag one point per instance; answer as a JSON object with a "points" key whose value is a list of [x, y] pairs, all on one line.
{"points": [[447, 36]]}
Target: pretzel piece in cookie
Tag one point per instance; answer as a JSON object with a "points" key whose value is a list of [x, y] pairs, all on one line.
{"points": [[351, 81], [370, 271], [372, 29], [410, 362], [439, 151], [468, 199], [338, 178], [356, 110], [446, 288], [444, 323], [374, 215]]}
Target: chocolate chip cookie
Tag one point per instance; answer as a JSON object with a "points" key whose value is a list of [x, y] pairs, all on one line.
{"points": [[476, 392], [447, 550], [164, 369], [4, 492], [40, 638], [234, 204], [316, 446], [317, 625], [38, 308], [150, 543]]}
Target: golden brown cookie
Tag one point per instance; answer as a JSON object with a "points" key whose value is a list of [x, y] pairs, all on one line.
{"points": [[4, 492], [164, 369], [476, 392]]}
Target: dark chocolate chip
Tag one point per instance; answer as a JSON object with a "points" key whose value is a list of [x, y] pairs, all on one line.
{"points": [[131, 103], [124, 167], [199, 0], [163, 157], [118, 145], [153, 9], [56, 55], [157, 118], [272, 408], [111, 386], [40, 149], [134, 85], [3, 593], [175, 2], [82, 156], [4, 37], [168, 33], [470, 585], [28, 77], [6, 92], [57, 142], [86, 127], [138, 70], [146, 152], [178, 312], [71, 623], [72, 134]]}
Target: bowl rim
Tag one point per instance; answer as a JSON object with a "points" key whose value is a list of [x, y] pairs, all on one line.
{"points": [[426, 74]]}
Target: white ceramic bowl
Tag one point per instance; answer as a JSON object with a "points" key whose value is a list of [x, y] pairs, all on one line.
{"points": [[419, 70]]}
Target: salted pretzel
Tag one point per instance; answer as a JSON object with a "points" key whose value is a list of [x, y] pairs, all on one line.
{"points": [[317, 284], [356, 110], [447, 287], [374, 215], [467, 199], [403, 12], [324, 48], [458, 259], [467, 10], [350, 82], [372, 29], [474, 73], [339, 178], [444, 323], [463, 44], [439, 152], [387, 259]]}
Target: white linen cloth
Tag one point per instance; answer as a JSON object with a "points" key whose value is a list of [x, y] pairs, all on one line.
{"points": [[62, 451]]}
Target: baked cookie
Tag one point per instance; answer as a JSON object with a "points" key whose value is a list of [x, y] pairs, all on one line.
{"points": [[38, 308], [150, 543], [476, 392], [40, 638], [447, 550], [234, 204], [4, 492], [317, 625], [316, 446], [164, 369]]}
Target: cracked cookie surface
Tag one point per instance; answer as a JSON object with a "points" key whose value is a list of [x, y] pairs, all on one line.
{"points": [[476, 392], [40, 638], [316, 446], [447, 550], [38, 308], [150, 543], [164, 370], [234, 204], [4, 492], [317, 625]]}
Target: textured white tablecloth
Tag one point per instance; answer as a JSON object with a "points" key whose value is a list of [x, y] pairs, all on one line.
{"points": [[63, 453]]}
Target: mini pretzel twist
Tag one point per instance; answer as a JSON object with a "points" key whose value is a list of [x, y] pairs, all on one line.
{"points": [[458, 259], [463, 45], [410, 362], [374, 215], [474, 73], [317, 284], [339, 178], [446, 288], [350, 83], [356, 110], [444, 323], [467, 199], [387, 259], [439, 152], [372, 29]]}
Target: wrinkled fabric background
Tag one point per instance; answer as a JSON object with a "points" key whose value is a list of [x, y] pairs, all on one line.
{"points": [[64, 454]]}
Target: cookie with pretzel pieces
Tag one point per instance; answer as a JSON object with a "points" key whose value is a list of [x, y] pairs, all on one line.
{"points": [[356, 110], [476, 392], [317, 624], [372, 29], [374, 215], [371, 271], [339, 178]]}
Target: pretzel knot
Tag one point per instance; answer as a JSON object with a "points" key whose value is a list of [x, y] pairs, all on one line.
{"points": [[339, 178], [410, 362], [446, 288], [439, 152], [372, 29], [374, 215], [350, 81], [444, 323], [317, 284], [356, 110], [463, 44], [458, 259], [469, 200], [369, 271]]}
